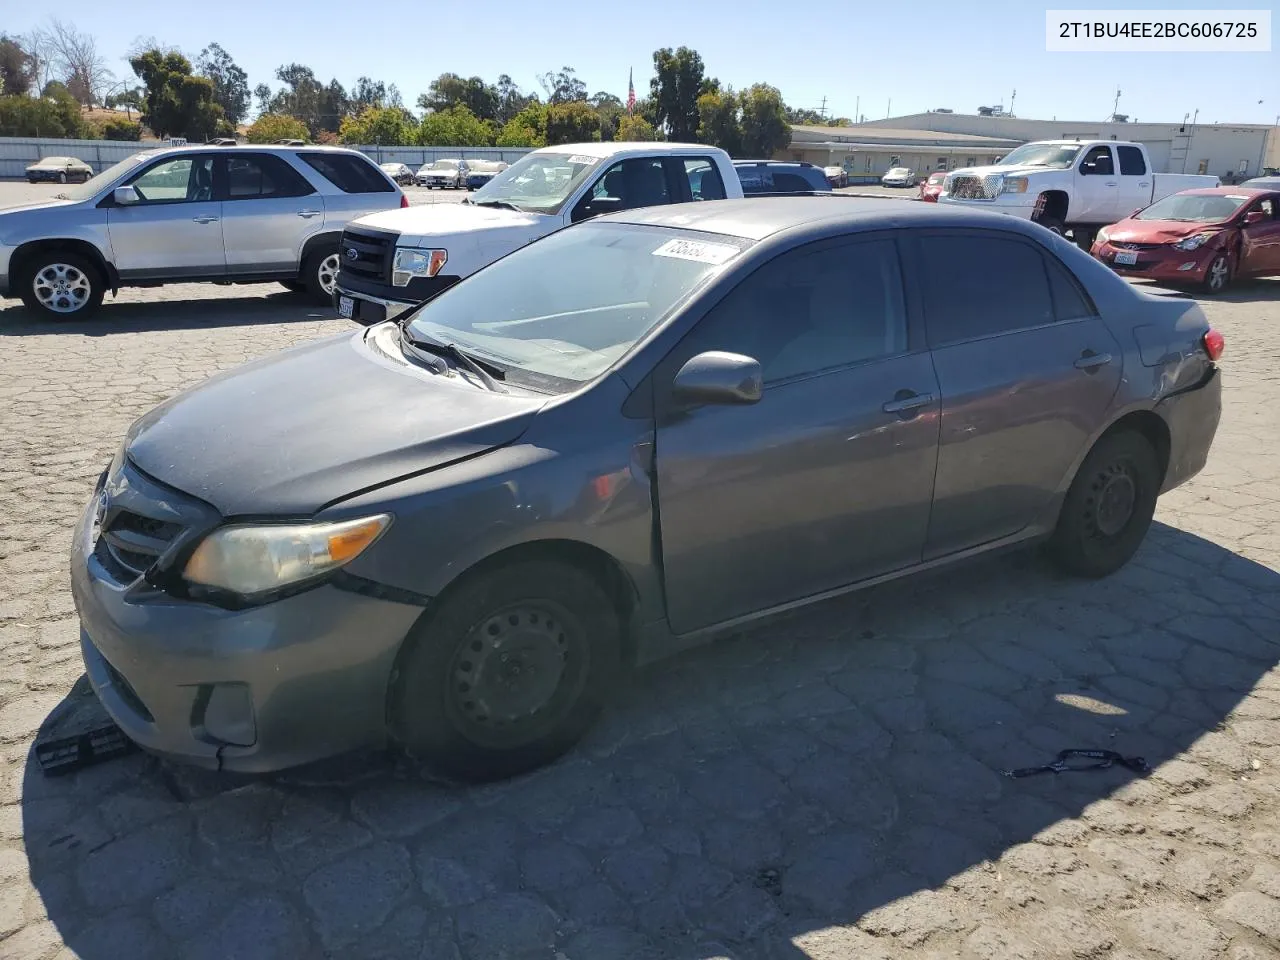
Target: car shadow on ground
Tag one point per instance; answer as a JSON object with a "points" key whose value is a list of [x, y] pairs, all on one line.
{"points": [[806, 786], [280, 306], [1253, 290]]}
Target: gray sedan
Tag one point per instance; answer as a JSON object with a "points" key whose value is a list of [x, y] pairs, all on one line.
{"points": [[59, 170], [453, 534]]}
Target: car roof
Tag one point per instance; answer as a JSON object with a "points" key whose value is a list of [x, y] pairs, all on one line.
{"points": [[826, 214], [1225, 191], [256, 147], [613, 148]]}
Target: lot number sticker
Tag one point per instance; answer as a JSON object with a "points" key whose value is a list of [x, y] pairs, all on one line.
{"points": [[585, 161], [714, 253]]}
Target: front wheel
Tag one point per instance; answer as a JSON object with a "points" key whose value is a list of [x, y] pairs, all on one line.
{"points": [[1053, 225], [63, 286], [320, 274], [508, 673], [1218, 276], [62, 178], [1109, 507]]}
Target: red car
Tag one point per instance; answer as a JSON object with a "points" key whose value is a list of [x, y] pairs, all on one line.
{"points": [[1207, 237], [929, 189]]}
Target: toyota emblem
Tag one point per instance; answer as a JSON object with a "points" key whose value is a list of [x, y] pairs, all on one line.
{"points": [[353, 253]]}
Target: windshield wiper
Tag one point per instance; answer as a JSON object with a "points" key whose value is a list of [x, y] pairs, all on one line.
{"points": [[461, 357], [505, 204]]}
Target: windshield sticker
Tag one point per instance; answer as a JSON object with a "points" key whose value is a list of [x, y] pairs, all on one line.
{"points": [[585, 161], [1232, 196], [714, 253]]}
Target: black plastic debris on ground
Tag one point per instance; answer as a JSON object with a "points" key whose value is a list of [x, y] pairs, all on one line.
{"points": [[65, 754], [1102, 760]]}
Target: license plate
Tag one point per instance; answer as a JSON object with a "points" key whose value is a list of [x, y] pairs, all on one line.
{"points": [[346, 307], [1126, 258]]}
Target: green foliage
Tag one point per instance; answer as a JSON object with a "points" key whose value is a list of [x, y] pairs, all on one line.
{"points": [[528, 128], [378, 125], [574, 122], [511, 100], [563, 86], [450, 90], [454, 127], [718, 121], [635, 128], [765, 130], [271, 127], [23, 116], [177, 103], [131, 99], [17, 67], [805, 116], [679, 79], [303, 97], [230, 82], [121, 130]]}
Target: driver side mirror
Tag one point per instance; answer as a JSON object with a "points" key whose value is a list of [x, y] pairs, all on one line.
{"points": [[719, 378], [1254, 216], [125, 196]]}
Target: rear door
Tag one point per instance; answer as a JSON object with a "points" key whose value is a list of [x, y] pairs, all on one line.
{"points": [[827, 480], [1260, 242], [268, 211], [1097, 187], [1135, 179], [175, 228], [1027, 372]]}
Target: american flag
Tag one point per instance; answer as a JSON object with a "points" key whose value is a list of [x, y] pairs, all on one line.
{"points": [[631, 92]]}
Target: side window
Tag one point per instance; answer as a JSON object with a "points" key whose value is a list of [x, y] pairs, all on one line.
{"points": [[1267, 206], [1098, 162], [1132, 163], [962, 303], [812, 310], [704, 179], [187, 179], [1069, 302], [258, 176], [349, 173], [785, 181], [756, 179], [628, 184]]}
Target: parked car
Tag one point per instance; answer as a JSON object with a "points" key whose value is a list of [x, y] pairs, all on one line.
{"points": [[1263, 183], [1069, 185], [480, 172], [1206, 237], [780, 177], [401, 173], [224, 142], [393, 261], [59, 170], [182, 214], [836, 176], [453, 533], [931, 186], [899, 177], [442, 174], [291, 143]]}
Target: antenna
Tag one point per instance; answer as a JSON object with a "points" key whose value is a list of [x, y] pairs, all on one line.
{"points": [[1011, 100], [1116, 106]]}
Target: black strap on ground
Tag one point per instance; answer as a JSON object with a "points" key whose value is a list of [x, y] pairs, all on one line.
{"points": [[1103, 759]]}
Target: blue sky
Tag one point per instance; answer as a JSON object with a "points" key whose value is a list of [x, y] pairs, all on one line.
{"points": [[938, 56]]}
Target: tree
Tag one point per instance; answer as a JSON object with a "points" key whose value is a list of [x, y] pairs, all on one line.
{"points": [[17, 67], [718, 122], [449, 90], [67, 109], [230, 82], [368, 93], [131, 99], [574, 122], [378, 125], [121, 130], [76, 59], [305, 98], [765, 130], [679, 79], [563, 86], [270, 127], [177, 102], [454, 127], [635, 128], [528, 128], [805, 116], [262, 93], [510, 99], [23, 116]]}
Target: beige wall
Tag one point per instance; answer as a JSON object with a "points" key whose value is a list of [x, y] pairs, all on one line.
{"points": [[876, 162]]}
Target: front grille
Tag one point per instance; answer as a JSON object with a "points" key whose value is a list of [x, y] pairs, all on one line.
{"points": [[132, 542], [968, 187], [366, 254], [1137, 246]]}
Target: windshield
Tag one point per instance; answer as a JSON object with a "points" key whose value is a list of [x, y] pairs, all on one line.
{"points": [[538, 182], [1196, 208], [444, 165], [564, 310], [94, 185], [1056, 155]]}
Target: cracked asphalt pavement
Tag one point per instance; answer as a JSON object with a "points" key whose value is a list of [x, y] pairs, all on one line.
{"points": [[824, 786]]}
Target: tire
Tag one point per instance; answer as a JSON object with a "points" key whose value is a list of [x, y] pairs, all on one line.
{"points": [[1084, 237], [1217, 277], [61, 285], [1053, 225], [62, 178], [1109, 507], [319, 272], [447, 695]]}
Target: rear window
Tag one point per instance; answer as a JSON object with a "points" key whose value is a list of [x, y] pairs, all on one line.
{"points": [[349, 173]]}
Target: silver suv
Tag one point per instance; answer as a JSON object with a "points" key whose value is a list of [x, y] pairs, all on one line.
{"points": [[182, 214]]}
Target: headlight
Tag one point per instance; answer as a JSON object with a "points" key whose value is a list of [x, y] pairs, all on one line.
{"points": [[1014, 185], [1195, 242], [1102, 236], [414, 262], [255, 558]]}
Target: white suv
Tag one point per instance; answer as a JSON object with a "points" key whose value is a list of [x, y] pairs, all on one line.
{"points": [[182, 214]]}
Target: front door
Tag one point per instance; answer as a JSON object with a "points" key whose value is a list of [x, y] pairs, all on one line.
{"points": [[1260, 242], [1026, 378], [1134, 191], [828, 479], [175, 227], [268, 211], [1097, 187]]}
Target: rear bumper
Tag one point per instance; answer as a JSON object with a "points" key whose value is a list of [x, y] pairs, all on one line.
{"points": [[1192, 416], [1164, 264]]}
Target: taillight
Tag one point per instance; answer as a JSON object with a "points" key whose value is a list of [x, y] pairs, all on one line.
{"points": [[1214, 344], [404, 200]]}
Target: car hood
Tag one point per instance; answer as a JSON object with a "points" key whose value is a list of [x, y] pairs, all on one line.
{"points": [[1006, 171], [288, 434], [432, 221], [1157, 231]]}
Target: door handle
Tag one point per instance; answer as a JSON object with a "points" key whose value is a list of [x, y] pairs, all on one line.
{"points": [[308, 213], [205, 219], [1091, 361], [1111, 183], [903, 404]]}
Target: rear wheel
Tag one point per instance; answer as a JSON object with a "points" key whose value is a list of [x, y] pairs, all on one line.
{"points": [[1218, 276], [1109, 507], [63, 286], [62, 178], [509, 673], [320, 273]]}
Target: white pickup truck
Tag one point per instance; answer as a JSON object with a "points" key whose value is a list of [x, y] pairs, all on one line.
{"points": [[390, 262], [1069, 185]]}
